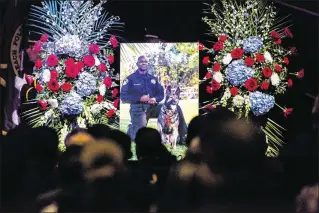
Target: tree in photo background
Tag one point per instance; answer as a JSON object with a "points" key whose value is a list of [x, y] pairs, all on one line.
{"points": [[174, 62], [73, 72], [247, 68]]}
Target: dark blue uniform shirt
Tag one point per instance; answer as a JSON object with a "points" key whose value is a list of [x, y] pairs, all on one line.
{"points": [[136, 85]]}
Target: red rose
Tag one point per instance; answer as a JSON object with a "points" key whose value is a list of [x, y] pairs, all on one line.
{"points": [[115, 93], [43, 105], [110, 59], [288, 32], [216, 67], [37, 47], [95, 49], [101, 68], [218, 46], [53, 85], [222, 38], [293, 49], [215, 85], [44, 38], [72, 71], [234, 91], [99, 98], [69, 61], [108, 82], [249, 62], [264, 85], [54, 74], [251, 84], [301, 73], [209, 90], [80, 65], [206, 60], [38, 87], [66, 87], [114, 41], [275, 34], [260, 58], [29, 79], [278, 41], [116, 103], [200, 46], [288, 111], [52, 60], [208, 75], [209, 106], [110, 113], [89, 60], [286, 61], [237, 53], [38, 63], [267, 72], [278, 68], [290, 82]]}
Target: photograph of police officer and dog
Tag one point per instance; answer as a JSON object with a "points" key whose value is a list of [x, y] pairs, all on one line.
{"points": [[159, 89]]}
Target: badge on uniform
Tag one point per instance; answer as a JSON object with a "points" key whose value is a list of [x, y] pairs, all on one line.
{"points": [[125, 81], [153, 81]]}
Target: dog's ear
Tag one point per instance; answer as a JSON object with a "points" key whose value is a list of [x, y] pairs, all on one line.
{"points": [[178, 92]]}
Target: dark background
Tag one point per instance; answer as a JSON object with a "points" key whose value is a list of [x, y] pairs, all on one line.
{"points": [[180, 21]]}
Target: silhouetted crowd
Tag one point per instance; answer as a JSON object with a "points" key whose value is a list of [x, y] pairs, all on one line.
{"points": [[225, 169]]}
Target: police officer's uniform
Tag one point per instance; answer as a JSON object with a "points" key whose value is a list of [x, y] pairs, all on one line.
{"points": [[134, 87]]}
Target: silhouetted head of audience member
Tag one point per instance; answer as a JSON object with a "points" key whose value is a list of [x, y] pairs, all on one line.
{"points": [[99, 131], [70, 168], [149, 145], [78, 136], [123, 140]]}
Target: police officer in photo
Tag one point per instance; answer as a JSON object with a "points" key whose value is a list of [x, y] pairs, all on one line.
{"points": [[143, 92]]}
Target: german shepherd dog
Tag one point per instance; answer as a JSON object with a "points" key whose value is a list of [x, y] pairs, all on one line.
{"points": [[168, 119]]}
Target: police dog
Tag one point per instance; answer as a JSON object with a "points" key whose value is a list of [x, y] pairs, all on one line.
{"points": [[168, 119]]}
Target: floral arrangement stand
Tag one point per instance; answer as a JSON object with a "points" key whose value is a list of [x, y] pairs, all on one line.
{"points": [[73, 75], [250, 62]]}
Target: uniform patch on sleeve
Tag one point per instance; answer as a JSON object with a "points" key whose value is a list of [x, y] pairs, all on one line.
{"points": [[153, 81], [125, 81]]}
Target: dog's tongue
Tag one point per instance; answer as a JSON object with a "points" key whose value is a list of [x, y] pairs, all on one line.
{"points": [[29, 79]]}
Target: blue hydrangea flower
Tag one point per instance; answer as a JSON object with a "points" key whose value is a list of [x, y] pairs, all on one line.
{"points": [[86, 84], [237, 73], [252, 44], [261, 103], [72, 104]]}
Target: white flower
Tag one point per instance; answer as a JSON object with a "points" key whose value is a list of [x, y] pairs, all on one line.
{"points": [[247, 101], [96, 108], [218, 77], [97, 61], [81, 122], [226, 95], [227, 59], [53, 103], [102, 89], [238, 100], [268, 57], [58, 68], [275, 80], [46, 75]]}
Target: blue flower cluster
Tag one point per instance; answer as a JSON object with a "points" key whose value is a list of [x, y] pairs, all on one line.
{"points": [[86, 84], [72, 104], [252, 44], [237, 73], [261, 103]]}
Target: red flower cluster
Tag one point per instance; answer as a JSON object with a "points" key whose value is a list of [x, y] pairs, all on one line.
{"points": [[249, 62], [52, 60], [93, 48], [66, 87], [108, 82], [53, 85], [113, 41], [218, 46], [251, 84], [89, 60], [237, 53]]}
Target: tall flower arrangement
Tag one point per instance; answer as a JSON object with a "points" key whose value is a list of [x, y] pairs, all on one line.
{"points": [[73, 72], [250, 63]]}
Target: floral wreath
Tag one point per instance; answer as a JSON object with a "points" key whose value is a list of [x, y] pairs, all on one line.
{"points": [[250, 65], [75, 83]]}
